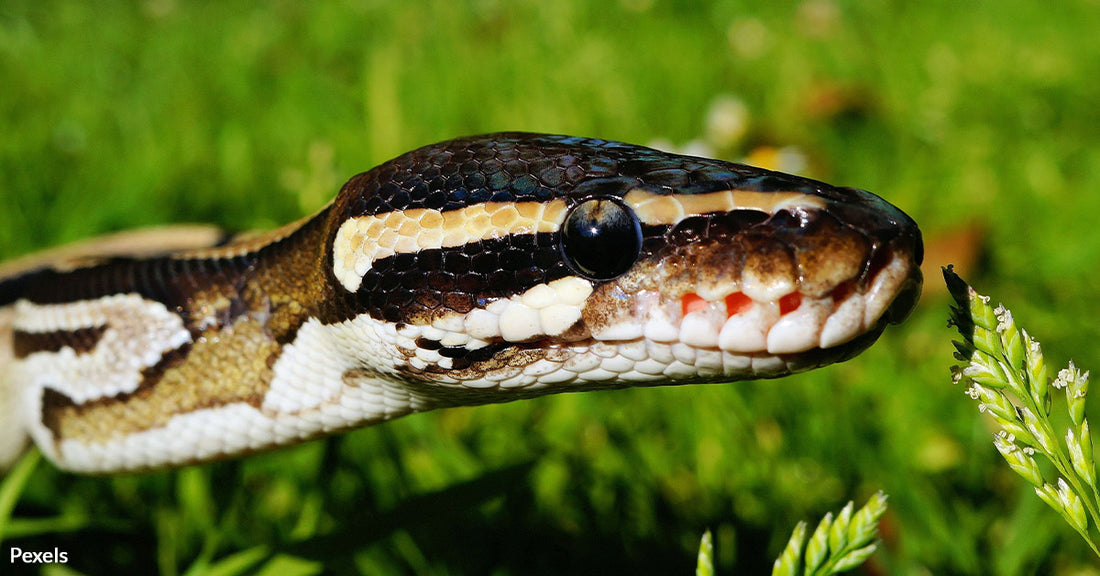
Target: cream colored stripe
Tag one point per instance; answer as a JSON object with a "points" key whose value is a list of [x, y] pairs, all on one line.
{"points": [[360, 241], [657, 209]]}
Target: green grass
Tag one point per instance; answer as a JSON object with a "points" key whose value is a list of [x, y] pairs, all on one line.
{"points": [[116, 115]]}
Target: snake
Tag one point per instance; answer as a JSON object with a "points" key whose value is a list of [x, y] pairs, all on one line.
{"points": [[477, 270]]}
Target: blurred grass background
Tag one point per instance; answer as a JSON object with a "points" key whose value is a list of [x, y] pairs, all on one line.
{"points": [[980, 120]]}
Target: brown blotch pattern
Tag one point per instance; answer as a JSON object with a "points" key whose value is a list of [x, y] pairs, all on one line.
{"points": [[81, 340], [239, 318], [233, 367]]}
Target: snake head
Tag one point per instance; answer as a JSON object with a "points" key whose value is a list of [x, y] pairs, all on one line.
{"points": [[533, 262]]}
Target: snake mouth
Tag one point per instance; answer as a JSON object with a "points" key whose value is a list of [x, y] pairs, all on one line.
{"points": [[784, 284], [747, 320], [690, 339]]}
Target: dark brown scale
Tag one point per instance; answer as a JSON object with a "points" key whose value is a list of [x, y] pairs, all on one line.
{"points": [[428, 344], [728, 224], [461, 302], [456, 262], [391, 313], [470, 283], [430, 300], [653, 241], [689, 230], [414, 279], [439, 281], [485, 262]]}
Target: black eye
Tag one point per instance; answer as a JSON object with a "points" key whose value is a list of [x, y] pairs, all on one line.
{"points": [[601, 238]]}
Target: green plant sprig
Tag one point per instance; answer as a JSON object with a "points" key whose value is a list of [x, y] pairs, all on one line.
{"points": [[1004, 370], [837, 545]]}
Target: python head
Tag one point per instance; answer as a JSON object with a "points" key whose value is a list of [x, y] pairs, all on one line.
{"points": [[510, 265]]}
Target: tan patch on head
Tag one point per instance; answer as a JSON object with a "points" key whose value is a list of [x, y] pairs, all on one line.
{"points": [[829, 255], [769, 270], [233, 365], [360, 241], [657, 209]]}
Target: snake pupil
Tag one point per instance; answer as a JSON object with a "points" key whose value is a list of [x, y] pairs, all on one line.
{"points": [[601, 238]]}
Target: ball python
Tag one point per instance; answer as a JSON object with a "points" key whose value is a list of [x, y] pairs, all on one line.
{"points": [[477, 270]]}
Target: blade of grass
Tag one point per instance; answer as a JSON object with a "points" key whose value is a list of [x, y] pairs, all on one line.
{"points": [[13, 485]]}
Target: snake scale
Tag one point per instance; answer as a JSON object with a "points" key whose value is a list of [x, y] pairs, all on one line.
{"points": [[477, 270]]}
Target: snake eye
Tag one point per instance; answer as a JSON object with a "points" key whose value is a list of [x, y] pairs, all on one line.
{"points": [[601, 238]]}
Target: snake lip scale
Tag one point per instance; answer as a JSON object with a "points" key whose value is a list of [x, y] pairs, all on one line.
{"points": [[476, 270]]}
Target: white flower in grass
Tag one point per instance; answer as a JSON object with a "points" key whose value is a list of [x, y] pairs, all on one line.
{"points": [[1004, 319], [1032, 345], [1065, 376]]}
